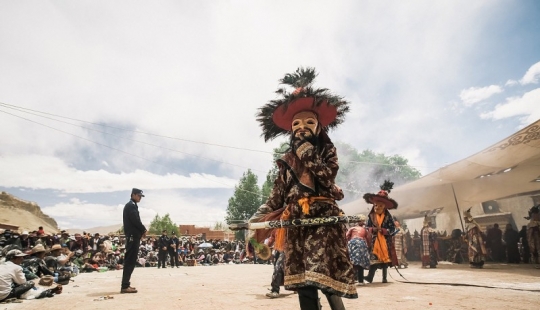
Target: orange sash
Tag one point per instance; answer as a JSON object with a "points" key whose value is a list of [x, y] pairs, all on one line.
{"points": [[380, 248], [304, 203]]}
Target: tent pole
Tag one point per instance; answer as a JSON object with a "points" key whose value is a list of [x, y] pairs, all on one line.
{"points": [[458, 211]]}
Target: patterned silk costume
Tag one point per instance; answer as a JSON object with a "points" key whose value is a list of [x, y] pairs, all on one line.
{"points": [[477, 249], [316, 257], [429, 245]]}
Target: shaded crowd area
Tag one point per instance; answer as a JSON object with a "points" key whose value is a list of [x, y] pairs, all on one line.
{"points": [[503, 246]]}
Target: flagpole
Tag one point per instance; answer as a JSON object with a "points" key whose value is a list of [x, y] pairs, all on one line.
{"points": [[457, 206]]}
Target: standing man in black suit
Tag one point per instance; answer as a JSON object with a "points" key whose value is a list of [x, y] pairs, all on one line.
{"points": [[163, 246], [134, 230], [173, 252]]}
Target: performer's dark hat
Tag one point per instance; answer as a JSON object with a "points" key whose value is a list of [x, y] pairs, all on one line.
{"points": [[276, 116], [533, 210], [382, 196], [137, 191]]}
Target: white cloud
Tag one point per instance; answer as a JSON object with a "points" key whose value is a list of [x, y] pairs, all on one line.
{"points": [[531, 76], [473, 95], [201, 71], [511, 83], [77, 213], [46, 172], [527, 106], [82, 214]]}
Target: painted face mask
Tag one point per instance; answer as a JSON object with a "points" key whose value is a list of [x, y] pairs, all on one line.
{"points": [[305, 125], [379, 208]]}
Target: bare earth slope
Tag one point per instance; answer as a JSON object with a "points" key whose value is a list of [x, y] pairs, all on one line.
{"points": [[27, 215]]}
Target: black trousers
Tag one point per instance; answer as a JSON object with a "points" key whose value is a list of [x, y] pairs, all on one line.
{"points": [[162, 258], [309, 299], [130, 259], [18, 290], [278, 277], [174, 257]]}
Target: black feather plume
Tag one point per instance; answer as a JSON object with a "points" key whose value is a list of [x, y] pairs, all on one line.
{"points": [[387, 186], [301, 81]]}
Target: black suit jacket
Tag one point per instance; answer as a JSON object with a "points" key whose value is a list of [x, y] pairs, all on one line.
{"points": [[133, 227]]}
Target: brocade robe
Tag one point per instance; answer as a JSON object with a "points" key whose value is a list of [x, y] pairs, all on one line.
{"points": [[317, 255]]}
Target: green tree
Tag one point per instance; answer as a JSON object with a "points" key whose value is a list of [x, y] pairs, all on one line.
{"points": [[244, 202], [271, 176], [219, 226], [363, 172], [159, 224]]}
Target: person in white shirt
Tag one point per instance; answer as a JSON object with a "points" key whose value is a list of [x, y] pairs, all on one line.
{"points": [[12, 273]]}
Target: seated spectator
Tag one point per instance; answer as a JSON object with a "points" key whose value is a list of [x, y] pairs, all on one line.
{"points": [[36, 264], [111, 261], [87, 265], [97, 260], [228, 257], [79, 243], [117, 257], [200, 257], [56, 262], [13, 282], [151, 259], [26, 241]]}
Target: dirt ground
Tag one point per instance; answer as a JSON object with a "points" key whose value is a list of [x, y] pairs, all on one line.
{"points": [[244, 287]]}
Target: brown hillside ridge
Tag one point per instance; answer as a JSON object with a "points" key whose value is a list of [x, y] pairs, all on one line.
{"points": [[102, 230], [27, 215]]}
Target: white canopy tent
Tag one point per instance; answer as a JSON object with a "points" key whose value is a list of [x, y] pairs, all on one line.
{"points": [[506, 169]]}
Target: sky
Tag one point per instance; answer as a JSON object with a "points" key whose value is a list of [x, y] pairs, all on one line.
{"points": [[97, 97]]}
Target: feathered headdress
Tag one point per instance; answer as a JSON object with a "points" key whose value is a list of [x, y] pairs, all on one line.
{"points": [[382, 196], [468, 216], [533, 210], [275, 117]]}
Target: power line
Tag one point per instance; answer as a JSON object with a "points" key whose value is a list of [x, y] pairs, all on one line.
{"points": [[135, 131], [118, 150], [18, 108], [138, 141]]}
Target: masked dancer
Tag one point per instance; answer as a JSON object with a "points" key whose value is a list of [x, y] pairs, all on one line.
{"points": [[316, 257], [477, 248], [381, 226]]}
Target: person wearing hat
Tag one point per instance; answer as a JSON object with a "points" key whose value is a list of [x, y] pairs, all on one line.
{"points": [[134, 231], [173, 253], [381, 227], [26, 242], [429, 245], [305, 188], [12, 280], [80, 243], [477, 249], [36, 263], [358, 239]]}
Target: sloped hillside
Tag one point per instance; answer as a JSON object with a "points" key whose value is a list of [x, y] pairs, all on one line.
{"points": [[27, 215]]}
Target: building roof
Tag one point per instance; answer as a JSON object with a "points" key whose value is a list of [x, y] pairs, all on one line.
{"points": [[506, 169]]}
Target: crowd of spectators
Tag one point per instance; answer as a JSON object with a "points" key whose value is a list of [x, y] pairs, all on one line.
{"points": [[54, 259]]}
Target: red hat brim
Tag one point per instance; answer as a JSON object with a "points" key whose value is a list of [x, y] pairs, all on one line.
{"points": [[283, 115], [388, 202]]}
